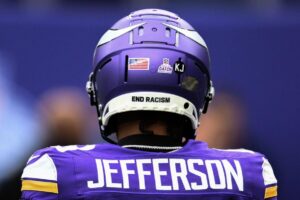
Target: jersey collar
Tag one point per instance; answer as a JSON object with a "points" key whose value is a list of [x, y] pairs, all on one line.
{"points": [[152, 143]]}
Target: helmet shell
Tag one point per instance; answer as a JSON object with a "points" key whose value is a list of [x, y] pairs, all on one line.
{"points": [[151, 60]]}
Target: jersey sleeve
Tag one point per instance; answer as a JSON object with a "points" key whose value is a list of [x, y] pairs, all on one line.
{"points": [[270, 181], [39, 178]]}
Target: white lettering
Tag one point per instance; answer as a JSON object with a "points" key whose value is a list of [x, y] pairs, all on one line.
{"points": [[74, 148], [231, 173], [179, 69], [108, 172], [100, 183], [126, 172], [158, 173], [180, 174], [191, 165], [168, 174], [141, 172], [212, 175]]}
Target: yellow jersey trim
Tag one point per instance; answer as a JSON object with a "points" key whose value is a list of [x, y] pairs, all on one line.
{"points": [[271, 192], [40, 186]]}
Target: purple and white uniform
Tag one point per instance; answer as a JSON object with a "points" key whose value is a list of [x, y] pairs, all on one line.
{"points": [[106, 171]]}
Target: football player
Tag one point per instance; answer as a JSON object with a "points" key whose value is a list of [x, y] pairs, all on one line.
{"points": [[150, 84]]}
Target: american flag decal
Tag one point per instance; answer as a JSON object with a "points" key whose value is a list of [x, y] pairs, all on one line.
{"points": [[138, 64]]}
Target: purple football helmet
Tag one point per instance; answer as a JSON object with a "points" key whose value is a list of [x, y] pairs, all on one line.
{"points": [[151, 60]]}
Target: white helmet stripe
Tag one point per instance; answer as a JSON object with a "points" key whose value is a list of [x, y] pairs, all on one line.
{"points": [[194, 35], [112, 34]]}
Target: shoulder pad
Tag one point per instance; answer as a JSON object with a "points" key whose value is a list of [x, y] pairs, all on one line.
{"points": [[43, 167], [267, 173], [40, 173], [269, 178]]}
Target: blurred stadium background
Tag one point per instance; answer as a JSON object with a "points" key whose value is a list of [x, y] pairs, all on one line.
{"points": [[46, 50]]}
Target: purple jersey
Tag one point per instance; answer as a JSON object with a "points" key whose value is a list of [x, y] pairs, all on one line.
{"points": [[105, 171]]}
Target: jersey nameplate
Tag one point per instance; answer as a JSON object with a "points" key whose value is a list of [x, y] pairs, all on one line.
{"points": [[167, 174]]}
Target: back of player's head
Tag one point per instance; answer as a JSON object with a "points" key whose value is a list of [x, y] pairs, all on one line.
{"points": [[151, 60]]}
